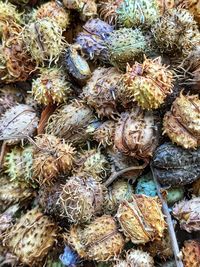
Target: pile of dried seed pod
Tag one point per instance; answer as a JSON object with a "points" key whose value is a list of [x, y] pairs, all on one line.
{"points": [[99, 104]]}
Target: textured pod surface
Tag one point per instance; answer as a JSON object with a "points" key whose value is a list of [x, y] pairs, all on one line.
{"points": [[81, 199], [191, 253], [141, 219], [20, 120], [100, 240], [146, 186], [148, 83], [104, 134], [192, 5], [174, 194], [187, 212], [136, 134], [174, 165], [107, 10], [182, 123], [31, 237], [196, 188]]}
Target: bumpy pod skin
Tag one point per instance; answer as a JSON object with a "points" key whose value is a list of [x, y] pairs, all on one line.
{"points": [[164, 5], [104, 134], [43, 40], [81, 199], [176, 32], [51, 157], [191, 253], [119, 191], [20, 120], [31, 238], [55, 11], [187, 212], [12, 192], [136, 134], [141, 219], [15, 63], [193, 6], [174, 165], [182, 123], [92, 39], [174, 194], [146, 186], [107, 10], [51, 87], [148, 83], [125, 46], [196, 188], [134, 13], [101, 91], [70, 122], [99, 241]]}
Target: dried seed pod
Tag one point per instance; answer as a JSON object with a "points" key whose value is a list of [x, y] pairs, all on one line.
{"points": [[55, 11], [196, 188], [31, 238], [193, 6], [101, 91], [70, 122], [182, 123], [7, 218], [136, 134], [52, 156], [164, 5], [107, 10], [104, 134], [81, 199], [174, 165], [50, 87], [146, 186], [125, 46], [148, 83], [100, 240], [187, 212], [20, 120], [43, 40], [141, 219], [92, 39], [136, 258], [191, 253], [176, 32]]}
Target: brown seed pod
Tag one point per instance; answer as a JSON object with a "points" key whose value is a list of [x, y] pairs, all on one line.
{"points": [[141, 219], [182, 123], [100, 240], [104, 134], [107, 10], [196, 188], [193, 6], [191, 253]]}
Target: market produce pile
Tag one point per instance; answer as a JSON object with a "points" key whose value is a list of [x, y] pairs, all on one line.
{"points": [[99, 107]]}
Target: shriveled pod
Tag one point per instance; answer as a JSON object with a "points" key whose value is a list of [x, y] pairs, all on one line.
{"points": [[182, 123], [108, 10], [20, 121], [104, 134], [136, 134], [141, 219], [100, 240], [191, 253]]}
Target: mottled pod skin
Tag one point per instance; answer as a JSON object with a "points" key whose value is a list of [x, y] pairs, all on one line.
{"points": [[81, 199], [146, 185], [51, 87], [187, 212], [100, 240], [182, 123], [193, 6], [31, 238], [104, 134], [51, 157], [191, 253], [148, 83], [141, 219]]}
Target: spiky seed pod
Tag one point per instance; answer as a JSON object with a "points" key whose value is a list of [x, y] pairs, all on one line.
{"points": [[125, 45], [136, 134], [50, 87], [119, 191], [107, 10], [141, 219], [81, 199], [164, 6], [31, 238], [12, 192], [92, 162], [51, 157], [176, 32], [104, 134], [92, 39], [196, 188], [136, 258], [146, 186], [43, 40], [191, 253], [174, 194], [20, 120], [101, 91], [99, 241], [187, 212], [55, 11], [15, 63], [70, 122], [148, 83], [193, 6], [169, 165], [182, 123], [137, 13]]}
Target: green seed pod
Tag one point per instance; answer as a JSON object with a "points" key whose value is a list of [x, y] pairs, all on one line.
{"points": [[174, 195]]}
